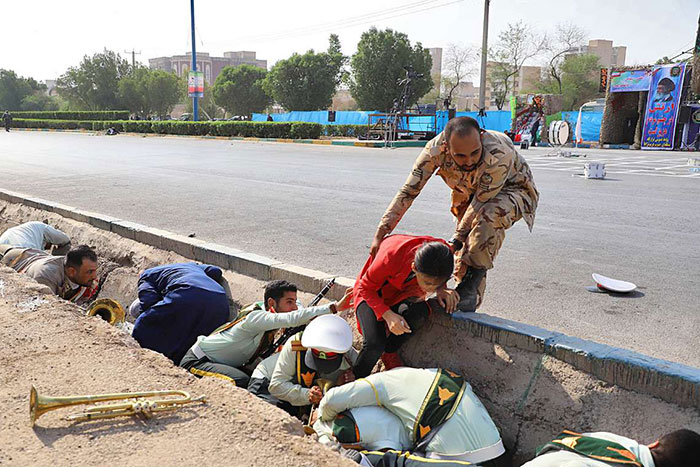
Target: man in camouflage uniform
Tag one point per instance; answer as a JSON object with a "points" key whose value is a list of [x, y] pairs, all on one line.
{"points": [[492, 188]]}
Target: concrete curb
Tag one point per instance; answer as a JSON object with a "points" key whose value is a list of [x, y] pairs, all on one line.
{"points": [[324, 142], [669, 381]]}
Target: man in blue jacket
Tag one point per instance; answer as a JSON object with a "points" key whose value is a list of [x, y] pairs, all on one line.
{"points": [[179, 302]]}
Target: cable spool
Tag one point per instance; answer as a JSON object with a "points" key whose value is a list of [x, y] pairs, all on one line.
{"points": [[109, 310]]}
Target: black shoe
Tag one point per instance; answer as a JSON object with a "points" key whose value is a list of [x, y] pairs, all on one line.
{"points": [[468, 289]]}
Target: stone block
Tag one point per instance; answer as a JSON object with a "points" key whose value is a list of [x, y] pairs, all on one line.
{"points": [[305, 279], [252, 265], [62, 209], [217, 255], [126, 229], [180, 244]]}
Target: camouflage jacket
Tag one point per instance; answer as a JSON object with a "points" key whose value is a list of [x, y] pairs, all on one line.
{"points": [[500, 170]]}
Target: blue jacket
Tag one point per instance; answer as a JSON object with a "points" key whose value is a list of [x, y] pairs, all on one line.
{"points": [[179, 302]]}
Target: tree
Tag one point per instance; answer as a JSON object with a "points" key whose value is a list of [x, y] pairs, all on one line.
{"points": [[163, 91], [579, 81], [94, 84], [13, 89], [567, 36], [240, 91], [132, 92], [517, 44], [309, 81], [150, 92], [459, 63], [378, 66], [39, 101]]}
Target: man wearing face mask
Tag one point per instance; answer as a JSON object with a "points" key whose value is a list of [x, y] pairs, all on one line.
{"points": [[492, 188]]}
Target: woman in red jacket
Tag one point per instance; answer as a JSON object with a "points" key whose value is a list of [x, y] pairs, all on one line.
{"points": [[390, 292]]}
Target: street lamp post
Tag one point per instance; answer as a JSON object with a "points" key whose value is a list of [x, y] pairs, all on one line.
{"points": [[194, 64], [484, 56]]}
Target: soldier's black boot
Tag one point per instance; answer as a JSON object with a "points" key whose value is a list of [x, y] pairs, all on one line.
{"points": [[467, 289]]}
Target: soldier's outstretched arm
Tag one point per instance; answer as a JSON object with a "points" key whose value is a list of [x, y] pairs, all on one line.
{"points": [[422, 170]]}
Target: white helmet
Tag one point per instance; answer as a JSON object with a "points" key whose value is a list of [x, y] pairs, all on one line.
{"points": [[327, 338]]}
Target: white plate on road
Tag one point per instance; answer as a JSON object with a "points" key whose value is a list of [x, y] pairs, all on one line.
{"points": [[613, 285]]}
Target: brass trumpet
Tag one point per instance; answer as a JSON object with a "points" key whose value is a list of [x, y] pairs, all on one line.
{"points": [[325, 385], [39, 405], [109, 310]]}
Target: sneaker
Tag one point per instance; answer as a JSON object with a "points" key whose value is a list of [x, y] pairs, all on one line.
{"points": [[391, 360]]}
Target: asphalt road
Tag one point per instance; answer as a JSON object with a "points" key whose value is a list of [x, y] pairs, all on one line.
{"points": [[318, 206]]}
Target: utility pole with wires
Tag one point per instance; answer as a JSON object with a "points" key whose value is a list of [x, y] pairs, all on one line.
{"points": [[133, 57], [484, 57]]}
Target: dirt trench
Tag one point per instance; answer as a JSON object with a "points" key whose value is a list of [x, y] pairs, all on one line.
{"points": [[49, 343], [530, 396]]}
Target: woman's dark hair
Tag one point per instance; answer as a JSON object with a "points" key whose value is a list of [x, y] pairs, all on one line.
{"points": [[435, 259]]}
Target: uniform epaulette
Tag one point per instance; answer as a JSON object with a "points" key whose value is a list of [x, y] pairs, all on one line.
{"points": [[297, 347]]}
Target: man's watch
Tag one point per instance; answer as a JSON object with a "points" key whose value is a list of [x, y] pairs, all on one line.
{"points": [[334, 308]]}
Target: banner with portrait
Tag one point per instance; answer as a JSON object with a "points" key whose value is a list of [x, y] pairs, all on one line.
{"points": [[662, 106]]}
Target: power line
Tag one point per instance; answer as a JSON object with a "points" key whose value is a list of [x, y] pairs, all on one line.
{"points": [[339, 22], [352, 22]]}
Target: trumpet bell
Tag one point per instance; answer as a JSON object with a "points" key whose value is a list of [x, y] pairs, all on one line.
{"points": [[109, 310]]}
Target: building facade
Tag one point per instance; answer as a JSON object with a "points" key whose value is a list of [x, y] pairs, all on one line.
{"points": [[608, 55], [210, 66]]}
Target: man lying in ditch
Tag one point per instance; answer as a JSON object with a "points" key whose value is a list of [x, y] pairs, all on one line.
{"points": [[230, 351], [439, 418], [37, 235], [601, 449], [177, 303], [72, 277]]}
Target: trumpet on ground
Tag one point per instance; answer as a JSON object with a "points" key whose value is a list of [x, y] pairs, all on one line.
{"points": [[109, 310], [325, 385], [39, 404]]}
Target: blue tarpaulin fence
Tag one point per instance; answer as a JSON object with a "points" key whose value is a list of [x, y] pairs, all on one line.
{"points": [[590, 123], [495, 120]]}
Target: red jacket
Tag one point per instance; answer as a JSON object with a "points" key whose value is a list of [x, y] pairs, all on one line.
{"points": [[387, 278]]}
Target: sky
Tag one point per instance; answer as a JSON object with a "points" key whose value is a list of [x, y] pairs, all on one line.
{"points": [[43, 38]]}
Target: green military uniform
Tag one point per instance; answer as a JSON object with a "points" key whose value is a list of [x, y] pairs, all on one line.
{"points": [[485, 201], [292, 378], [592, 450], [444, 419], [229, 350]]}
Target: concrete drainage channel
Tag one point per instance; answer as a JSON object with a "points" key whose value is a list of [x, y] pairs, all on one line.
{"points": [[534, 382]]}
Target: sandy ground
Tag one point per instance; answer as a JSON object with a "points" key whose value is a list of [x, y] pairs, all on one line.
{"points": [[47, 343]]}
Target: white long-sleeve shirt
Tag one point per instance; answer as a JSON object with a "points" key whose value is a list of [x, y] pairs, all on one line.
{"points": [[571, 459], [34, 235], [236, 345], [402, 392], [378, 429], [283, 385]]}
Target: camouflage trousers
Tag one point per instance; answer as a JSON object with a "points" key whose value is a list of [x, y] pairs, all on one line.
{"points": [[488, 230]]}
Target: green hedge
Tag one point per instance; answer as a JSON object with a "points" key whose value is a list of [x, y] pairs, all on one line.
{"points": [[345, 130], [84, 116], [293, 130]]}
